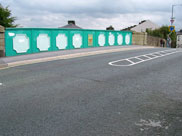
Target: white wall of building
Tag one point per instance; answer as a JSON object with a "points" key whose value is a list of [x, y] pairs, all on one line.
{"points": [[145, 25], [179, 41]]}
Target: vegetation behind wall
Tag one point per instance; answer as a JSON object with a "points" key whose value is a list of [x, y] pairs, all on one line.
{"points": [[162, 32]]}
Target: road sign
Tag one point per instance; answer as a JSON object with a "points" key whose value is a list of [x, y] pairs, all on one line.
{"points": [[172, 28], [172, 21]]}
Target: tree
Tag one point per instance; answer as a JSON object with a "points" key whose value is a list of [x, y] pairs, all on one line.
{"points": [[162, 32], [6, 19]]}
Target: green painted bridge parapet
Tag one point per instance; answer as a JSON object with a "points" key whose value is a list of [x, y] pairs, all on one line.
{"points": [[19, 41]]}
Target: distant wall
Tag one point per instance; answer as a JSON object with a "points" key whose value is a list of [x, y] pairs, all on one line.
{"points": [[2, 44], [142, 38], [139, 38], [154, 41]]}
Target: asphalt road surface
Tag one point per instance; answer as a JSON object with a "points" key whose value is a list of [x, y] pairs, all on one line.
{"points": [[88, 97]]}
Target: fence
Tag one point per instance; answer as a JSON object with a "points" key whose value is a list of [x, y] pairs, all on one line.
{"points": [[33, 40]]}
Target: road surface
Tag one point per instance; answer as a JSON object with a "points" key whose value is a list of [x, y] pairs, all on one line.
{"points": [[86, 96]]}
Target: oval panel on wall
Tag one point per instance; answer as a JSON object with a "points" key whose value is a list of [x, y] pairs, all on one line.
{"points": [[101, 40], [21, 43], [61, 41], [43, 42]]}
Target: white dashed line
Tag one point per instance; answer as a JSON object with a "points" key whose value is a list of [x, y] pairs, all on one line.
{"points": [[150, 56], [1, 84]]}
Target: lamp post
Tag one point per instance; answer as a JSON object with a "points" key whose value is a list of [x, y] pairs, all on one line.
{"points": [[172, 17], [169, 41]]}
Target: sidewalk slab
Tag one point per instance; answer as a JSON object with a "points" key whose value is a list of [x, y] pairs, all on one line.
{"points": [[3, 64], [62, 54]]}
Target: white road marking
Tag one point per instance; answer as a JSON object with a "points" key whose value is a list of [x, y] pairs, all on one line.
{"points": [[147, 56], [130, 61], [149, 123], [1, 84], [139, 58]]}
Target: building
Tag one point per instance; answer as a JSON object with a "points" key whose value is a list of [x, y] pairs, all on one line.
{"points": [[143, 26], [179, 39], [71, 25], [110, 28]]}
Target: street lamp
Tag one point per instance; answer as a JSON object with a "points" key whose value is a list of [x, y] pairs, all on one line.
{"points": [[172, 17], [172, 21]]}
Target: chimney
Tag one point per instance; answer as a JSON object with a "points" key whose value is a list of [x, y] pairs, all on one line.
{"points": [[71, 22], [110, 28]]}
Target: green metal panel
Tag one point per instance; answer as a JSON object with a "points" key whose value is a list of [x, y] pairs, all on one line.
{"points": [[115, 42], [10, 38], [109, 35], [120, 38], [45, 37], [130, 34], [125, 38], [20, 41], [101, 38]]}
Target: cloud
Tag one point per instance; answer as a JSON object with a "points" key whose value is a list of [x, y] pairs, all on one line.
{"points": [[96, 14]]}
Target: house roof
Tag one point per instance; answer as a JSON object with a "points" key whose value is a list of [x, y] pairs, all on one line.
{"points": [[71, 24], [142, 26]]}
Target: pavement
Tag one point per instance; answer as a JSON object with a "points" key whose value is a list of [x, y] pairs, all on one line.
{"points": [[85, 96], [63, 54], [3, 64]]}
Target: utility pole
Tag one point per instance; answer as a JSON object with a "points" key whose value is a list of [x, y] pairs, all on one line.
{"points": [[172, 21], [172, 16]]}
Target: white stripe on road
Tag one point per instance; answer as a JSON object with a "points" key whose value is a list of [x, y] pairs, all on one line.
{"points": [[148, 57]]}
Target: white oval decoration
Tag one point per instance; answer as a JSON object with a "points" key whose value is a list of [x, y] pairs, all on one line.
{"points": [[43, 42], [77, 40], [127, 39], [21, 43], [61, 41], [101, 39], [111, 39], [120, 39]]}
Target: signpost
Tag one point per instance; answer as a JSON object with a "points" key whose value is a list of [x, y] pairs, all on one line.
{"points": [[172, 28], [172, 21]]}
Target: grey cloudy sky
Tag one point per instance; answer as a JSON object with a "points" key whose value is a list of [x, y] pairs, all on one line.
{"points": [[93, 14]]}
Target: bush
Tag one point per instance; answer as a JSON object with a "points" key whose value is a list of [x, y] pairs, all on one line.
{"points": [[162, 32]]}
